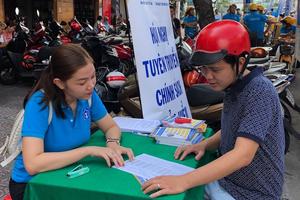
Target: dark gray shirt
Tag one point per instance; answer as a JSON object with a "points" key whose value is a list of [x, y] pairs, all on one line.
{"points": [[252, 110]]}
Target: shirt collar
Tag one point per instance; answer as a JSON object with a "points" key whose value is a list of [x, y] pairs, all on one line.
{"points": [[66, 106], [239, 85]]}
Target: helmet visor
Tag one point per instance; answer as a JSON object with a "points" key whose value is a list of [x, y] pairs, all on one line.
{"points": [[199, 58]]}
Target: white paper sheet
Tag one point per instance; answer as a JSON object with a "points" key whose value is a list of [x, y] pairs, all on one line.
{"points": [[148, 167]]}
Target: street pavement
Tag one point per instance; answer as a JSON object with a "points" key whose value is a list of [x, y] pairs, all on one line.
{"points": [[11, 98]]}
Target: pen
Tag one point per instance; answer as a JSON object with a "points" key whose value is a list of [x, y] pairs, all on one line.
{"points": [[182, 120]]}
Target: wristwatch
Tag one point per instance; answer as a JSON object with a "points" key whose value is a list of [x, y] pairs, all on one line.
{"points": [[116, 140]]}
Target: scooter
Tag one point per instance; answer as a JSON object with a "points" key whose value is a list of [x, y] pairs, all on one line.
{"points": [[17, 64], [107, 87], [107, 65]]}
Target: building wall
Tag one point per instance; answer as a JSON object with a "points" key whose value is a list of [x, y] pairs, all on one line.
{"points": [[63, 10], [2, 10]]}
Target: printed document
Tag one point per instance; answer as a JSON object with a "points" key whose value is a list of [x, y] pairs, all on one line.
{"points": [[147, 167], [137, 125]]}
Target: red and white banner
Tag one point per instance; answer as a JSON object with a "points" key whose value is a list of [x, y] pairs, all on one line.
{"points": [[106, 9]]}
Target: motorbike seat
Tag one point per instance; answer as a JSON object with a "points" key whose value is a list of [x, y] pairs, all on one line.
{"points": [[202, 94]]}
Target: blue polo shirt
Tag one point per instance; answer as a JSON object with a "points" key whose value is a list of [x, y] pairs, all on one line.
{"points": [[232, 16], [256, 23], [62, 134], [252, 110]]}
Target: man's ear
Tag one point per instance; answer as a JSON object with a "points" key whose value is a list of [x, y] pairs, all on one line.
{"points": [[242, 61], [60, 84]]}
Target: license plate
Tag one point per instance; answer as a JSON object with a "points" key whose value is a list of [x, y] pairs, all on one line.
{"points": [[290, 97]]}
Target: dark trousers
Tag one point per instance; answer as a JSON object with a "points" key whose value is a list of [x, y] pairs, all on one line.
{"points": [[16, 190], [255, 42]]}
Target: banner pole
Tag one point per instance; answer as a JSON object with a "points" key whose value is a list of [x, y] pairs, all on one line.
{"points": [[297, 52]]}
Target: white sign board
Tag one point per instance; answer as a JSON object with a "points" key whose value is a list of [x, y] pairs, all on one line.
{"points": [[160, 81]]}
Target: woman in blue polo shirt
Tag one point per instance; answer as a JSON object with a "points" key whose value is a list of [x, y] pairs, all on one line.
{"points": [[190, 23], [251, 140], [68, 84]]}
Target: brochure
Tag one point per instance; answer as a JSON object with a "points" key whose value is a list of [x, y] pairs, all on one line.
{"points": [[137, 125]]}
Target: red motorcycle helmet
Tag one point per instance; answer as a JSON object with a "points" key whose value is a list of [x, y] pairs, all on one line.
{"points": [[193, 77], [219, 39], [28, 61], [75, 26]]}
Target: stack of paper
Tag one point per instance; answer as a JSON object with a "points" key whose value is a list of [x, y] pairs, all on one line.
{"points": [[137, 125], [177, 136], [199, 125]]}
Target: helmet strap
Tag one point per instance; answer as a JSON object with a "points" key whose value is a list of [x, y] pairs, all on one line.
{"points": [[239, 75]]}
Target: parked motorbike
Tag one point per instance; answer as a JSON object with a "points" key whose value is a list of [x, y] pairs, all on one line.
{"points": [[57, 34], [107, 87], [281, 82], [76, 34], [17, 63], [107, 64]]}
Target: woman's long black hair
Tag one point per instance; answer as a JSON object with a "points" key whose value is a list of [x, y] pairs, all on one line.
{"points": [[65, 61]]}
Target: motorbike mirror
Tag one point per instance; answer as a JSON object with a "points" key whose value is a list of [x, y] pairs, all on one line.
{"points": [[37, 12], [17, 11]]}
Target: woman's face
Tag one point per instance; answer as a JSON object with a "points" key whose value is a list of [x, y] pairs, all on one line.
{"points": [[81, 84], [192, 12]]}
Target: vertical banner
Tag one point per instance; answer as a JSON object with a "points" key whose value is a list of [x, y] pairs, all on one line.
{"points": [[280, 7], [162, 91], [288, 6], [297, 53], [106, 9], [270, 6]]}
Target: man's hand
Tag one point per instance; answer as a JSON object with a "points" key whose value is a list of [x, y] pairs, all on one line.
{"points": [[197, 149]]}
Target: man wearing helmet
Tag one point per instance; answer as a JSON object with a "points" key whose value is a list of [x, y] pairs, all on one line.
{"points": [[251, 139], [255, 23], [231, 14], [288, 26]]}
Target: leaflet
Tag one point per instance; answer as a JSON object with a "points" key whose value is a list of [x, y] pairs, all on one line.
{"points": [[147, 167]]}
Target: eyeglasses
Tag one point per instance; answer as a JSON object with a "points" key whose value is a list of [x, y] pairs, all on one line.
{"points": [[204, 69]]}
